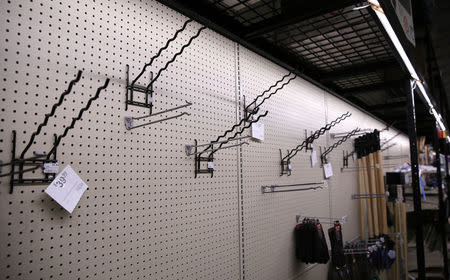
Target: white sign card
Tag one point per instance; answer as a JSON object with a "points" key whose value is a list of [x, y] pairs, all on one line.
{"points": [[313, 158], [258, 131], [67, 189], [328, 170]]}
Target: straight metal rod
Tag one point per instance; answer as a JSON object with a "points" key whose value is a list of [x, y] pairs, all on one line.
{"points": [[221, 148], [166, 119], [294, 185], [165, 111], [296, 190], [224, 141], [442, 218], [411, 118]]}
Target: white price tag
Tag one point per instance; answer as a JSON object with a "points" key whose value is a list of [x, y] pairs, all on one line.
{"points": [[313, 158], [128, 123], [210, 165], [67, 189], [328, 170], [355, 156], [258, 131], [289, 166], [51, 168]]}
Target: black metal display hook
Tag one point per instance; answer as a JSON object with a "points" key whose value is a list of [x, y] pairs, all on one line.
{"points": [[247, 119], [160, 51], [345, 157], [240, 131], [22, 161], [324, 155], [52, 113], [242, 121], [209, 160], [247, 107], [148, 90], [256, 107], [38, 161], [74, 120], [285, 161]]}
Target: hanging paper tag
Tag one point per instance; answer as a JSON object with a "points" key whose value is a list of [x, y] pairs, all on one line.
{"points": [[313, 158], [128, 123], [289, 166], [67, 189], [355, 157], [258, 131], [328, 170], [210, 165], [51, 168]]}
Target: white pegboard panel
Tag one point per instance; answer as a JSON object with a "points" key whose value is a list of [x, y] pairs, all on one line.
{"points": [[270, 218], [144, 215]]}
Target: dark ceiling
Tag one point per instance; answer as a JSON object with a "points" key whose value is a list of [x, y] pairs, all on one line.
{"points": [[338, 45]]}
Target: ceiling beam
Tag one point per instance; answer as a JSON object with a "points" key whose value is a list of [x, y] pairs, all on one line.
{"points": [[361, 70], [376, 87], [392, 105], [294, 11]]}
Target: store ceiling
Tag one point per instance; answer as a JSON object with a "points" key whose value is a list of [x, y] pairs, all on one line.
{"points": [[336, 43]]}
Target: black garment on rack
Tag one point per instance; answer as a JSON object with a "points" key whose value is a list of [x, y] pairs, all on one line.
{"points": [[337, 245], [311, 246]]}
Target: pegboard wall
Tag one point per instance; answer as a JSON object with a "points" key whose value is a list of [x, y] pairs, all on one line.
{"points": [[144, 215]]}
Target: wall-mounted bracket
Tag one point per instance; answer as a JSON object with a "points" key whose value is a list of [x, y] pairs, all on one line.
{"points": [[19, 166], [345, 157], [286, 167], [132, 87]]}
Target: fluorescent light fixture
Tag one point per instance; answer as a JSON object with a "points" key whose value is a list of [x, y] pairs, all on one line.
{"points": [[398, 46], [360, 7]]}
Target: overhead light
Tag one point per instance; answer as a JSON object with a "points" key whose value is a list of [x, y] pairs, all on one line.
{"points": [[398, 46], [360, 7]]}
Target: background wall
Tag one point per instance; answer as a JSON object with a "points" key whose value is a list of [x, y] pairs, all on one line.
{"points": [[144, 215]]}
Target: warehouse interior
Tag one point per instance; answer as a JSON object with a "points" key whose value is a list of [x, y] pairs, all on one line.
{"points": [[225, 139]]}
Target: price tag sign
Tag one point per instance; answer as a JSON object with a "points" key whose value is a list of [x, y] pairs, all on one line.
{"points": [[67, 189], [313, 158], [328, 170], [258, 131], [51, 168], [210, 165], [128, 123], [355, 157]]}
